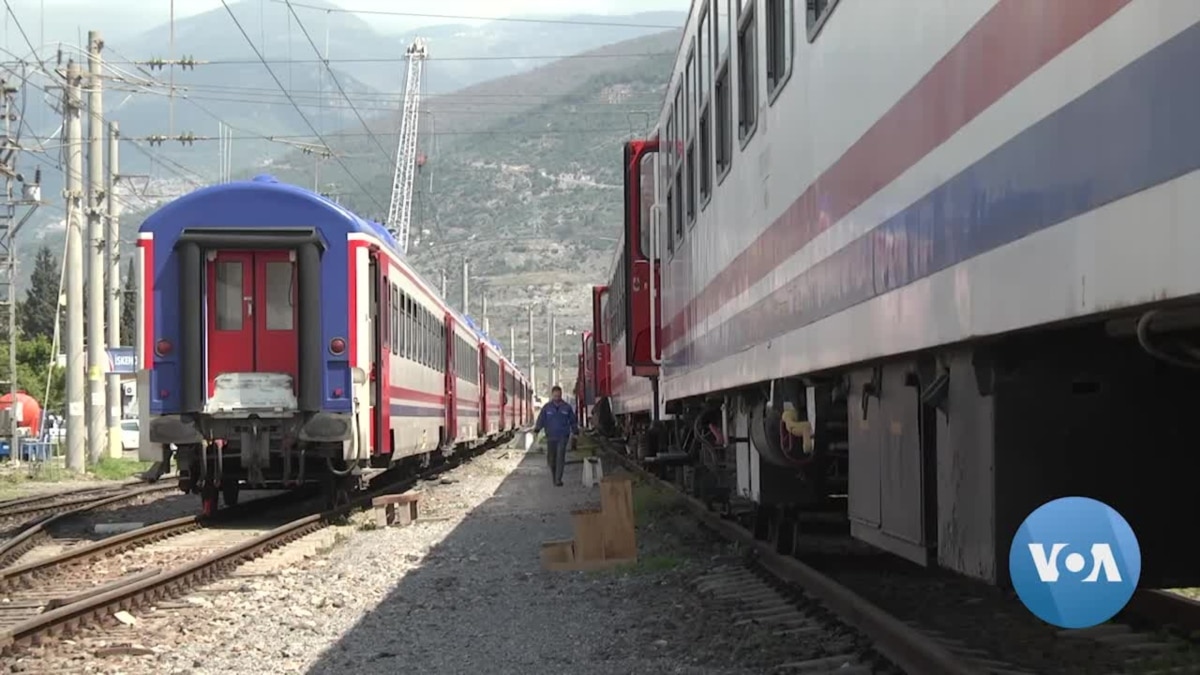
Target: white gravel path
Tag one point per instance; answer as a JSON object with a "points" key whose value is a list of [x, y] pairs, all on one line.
{"points": [[460, 592]]}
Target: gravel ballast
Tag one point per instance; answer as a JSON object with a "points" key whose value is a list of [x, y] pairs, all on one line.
{"points": [[461, 590]]}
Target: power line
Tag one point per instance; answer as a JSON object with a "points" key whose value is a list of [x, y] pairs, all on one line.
{"points": [[514, 57], [257, 53], [358, 134], [512, 19], [333, 76]]}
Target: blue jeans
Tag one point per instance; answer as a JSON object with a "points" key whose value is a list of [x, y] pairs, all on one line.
{"points": [[556, 456]]}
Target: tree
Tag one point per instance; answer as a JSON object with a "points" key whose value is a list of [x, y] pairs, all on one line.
{"points": [[34, 362], [39, 310], [129, 307]]}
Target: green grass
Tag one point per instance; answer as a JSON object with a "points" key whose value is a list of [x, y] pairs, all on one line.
{"points": [[117, 469]]}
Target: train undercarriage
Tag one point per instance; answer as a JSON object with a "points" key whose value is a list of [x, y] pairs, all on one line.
{"points": [[938, 457]]}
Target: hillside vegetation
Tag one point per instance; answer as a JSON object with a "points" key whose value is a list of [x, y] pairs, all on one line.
{"points": [[523, 177]]}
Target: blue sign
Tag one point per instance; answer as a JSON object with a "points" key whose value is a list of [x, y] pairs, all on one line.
{"points": [[1075, 562], [122, 360]]}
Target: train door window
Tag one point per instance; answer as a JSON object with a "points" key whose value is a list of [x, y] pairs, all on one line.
{"points": [[779, 20], [747, 76], [230, 293], [818, 15], [279, 291]]}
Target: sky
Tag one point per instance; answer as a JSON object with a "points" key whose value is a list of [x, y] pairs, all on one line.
{"points": [[64, 18]]}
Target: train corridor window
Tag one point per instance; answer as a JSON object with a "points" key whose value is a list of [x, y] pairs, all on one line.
{"points": [[691, 183], [779, 22], [724, 125], [279, 287], [394, 321], [818, 12], [229, 295], [680, 197], [671, 219], [747, 58], [704, 125], [722, 29]]}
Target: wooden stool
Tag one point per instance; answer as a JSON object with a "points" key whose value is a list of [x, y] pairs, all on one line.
{"points": [[398, 509]]}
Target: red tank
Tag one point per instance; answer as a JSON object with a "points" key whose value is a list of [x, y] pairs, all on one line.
{"points": [[31, 411]]}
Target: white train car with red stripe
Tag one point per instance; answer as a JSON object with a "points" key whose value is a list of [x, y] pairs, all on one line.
{"points": [[286, 341], [931, 264]]}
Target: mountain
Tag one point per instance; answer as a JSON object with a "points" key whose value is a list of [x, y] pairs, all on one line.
{"points": [[229, 85], [522, 176]]}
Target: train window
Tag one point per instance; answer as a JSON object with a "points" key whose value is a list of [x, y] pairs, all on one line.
{"points": [[691, 184], [646, 200], [747, 76], [409, 337], [722, 27], [818, 14], [671, 219], [704, 72], [382, 316], [229, 295], [724, 125], [689, 97], [779, 20], [680, 196], [705, 157], [279, 287]]}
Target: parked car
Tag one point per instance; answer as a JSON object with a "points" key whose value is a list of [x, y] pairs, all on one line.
{"points": [[130, 432]]}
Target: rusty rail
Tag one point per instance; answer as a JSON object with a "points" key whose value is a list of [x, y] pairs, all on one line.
{"points": [[143, 589], [17, 546], [905, 647]]}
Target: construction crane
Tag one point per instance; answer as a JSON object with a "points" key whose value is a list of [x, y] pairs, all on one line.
{"points": [[399, 216]]}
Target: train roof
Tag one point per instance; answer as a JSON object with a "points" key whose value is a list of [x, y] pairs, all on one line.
{"points": [[266, 200], [251, 203]]}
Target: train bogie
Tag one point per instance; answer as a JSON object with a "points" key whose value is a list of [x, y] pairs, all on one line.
{"points": [[920, 303]]}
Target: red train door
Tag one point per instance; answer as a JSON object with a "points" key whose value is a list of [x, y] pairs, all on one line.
{"points": [[252, 314]]}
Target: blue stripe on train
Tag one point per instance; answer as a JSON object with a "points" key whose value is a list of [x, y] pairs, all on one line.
{"points": [[1133, 131]]}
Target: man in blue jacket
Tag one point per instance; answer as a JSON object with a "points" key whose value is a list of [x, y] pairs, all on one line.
{"points": [[558, 419]]}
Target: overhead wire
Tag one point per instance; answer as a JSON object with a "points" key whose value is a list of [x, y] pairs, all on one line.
{"points": [[364, 60], [466, 17], [299, 111], [386, 154]]}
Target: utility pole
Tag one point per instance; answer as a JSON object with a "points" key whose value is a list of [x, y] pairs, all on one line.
{"points": [[512, 341], [97, 361], [112, 252], [443, 282], [466, 293], [9, 226], [553, 349], [486, 326], [532, 368], [73, 145]]}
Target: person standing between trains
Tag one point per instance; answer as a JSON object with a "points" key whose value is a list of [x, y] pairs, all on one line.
{"points": [[558, 419]]}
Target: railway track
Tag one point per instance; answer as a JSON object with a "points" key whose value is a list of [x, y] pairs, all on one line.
{"points": [[781, 593], [35, 518], [57, 595]]}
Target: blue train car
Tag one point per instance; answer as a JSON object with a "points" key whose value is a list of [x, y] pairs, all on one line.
{"points": [[286, 341]]}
